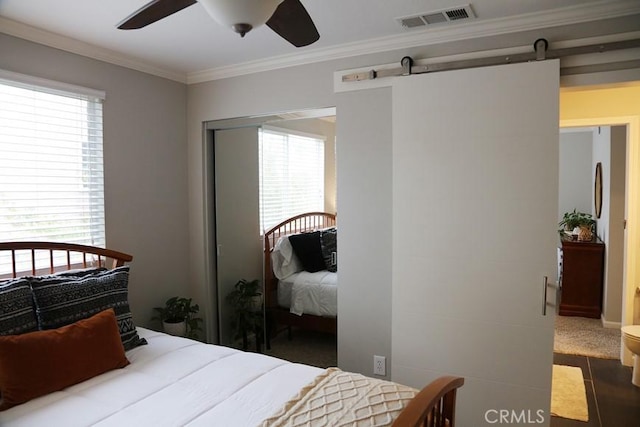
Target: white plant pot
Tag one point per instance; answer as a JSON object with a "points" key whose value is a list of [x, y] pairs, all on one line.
{"points": [[178, 329], [256, 303]]}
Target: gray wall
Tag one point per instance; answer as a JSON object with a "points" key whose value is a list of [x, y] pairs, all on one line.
{"points": [[617, 204], [364, 203], [145, 164], [609, 148], [575, 171]]}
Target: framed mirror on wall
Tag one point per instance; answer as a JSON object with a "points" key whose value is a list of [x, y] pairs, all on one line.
{"points": [[597, 193]]}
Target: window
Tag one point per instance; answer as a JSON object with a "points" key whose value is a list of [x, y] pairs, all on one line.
{"points": [[51, 168], [291, 175]]}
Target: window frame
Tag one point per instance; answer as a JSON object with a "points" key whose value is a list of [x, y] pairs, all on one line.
{"points": [[86, 144]]}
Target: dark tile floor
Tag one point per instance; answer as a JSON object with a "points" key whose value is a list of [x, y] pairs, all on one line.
{"points": [[613, 401]]}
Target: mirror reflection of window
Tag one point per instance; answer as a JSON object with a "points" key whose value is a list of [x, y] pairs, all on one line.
{"points": [[291, 175]]}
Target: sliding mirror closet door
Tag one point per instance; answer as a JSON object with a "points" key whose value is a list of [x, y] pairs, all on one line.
{"points": [[237, 227]]}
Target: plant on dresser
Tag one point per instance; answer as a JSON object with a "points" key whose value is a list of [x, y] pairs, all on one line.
{"points": [[578, 223]]}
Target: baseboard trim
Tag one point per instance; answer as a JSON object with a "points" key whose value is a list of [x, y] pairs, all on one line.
{"points": [[610, 325]]}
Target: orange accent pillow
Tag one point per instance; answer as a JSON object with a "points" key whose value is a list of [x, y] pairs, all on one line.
{"points": [[41, 362]]}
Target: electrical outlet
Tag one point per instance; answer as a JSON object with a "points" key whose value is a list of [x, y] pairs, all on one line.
{"points": [[379, 365]]}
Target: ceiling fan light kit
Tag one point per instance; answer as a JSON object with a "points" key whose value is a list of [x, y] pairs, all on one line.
{"points": [[287, 18], [240, 15]]}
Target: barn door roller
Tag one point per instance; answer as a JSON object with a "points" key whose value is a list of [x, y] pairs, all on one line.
{"points": [[541, 46]]}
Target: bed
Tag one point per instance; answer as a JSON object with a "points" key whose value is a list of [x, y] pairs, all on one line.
{"points": [[283, 308], [163, 380]]}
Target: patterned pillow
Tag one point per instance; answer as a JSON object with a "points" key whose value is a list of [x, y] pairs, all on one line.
{"points": [[328, 242], [17, 313], [62, 300]]}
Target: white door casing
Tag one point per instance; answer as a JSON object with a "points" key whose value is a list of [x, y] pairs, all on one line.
{"points": [[475, 195]]}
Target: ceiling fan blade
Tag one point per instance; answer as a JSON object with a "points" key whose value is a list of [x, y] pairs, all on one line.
{"points": [[152, 12], [292, 22]]}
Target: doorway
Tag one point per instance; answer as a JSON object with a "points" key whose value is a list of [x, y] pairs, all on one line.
{"points": [[610, 106], [590, 311]]}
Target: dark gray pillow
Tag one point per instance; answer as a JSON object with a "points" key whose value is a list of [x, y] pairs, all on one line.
{"points": [[62, 300], [17, 312], [308, 250], [329, 245]]}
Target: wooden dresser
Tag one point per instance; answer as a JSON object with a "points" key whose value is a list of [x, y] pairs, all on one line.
{"points": [[582, 278]]}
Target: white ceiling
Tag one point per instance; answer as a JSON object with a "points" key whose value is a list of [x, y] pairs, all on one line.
{"points": [[189, 43]]}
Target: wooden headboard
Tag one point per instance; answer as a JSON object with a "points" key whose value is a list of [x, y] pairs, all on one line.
{"points": [[76, 256], [298, 224]]}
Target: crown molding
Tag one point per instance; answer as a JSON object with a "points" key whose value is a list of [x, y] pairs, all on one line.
{"points": [[47, 38], [604, 9], [475, 29]]}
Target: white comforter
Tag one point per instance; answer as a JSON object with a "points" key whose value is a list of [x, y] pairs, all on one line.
{"points": [[314, 293], [172, 382], [300, 291], [310, 293]]}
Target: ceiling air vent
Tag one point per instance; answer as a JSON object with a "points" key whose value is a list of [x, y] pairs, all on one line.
{"points": [[437, 17], [456, 14]]}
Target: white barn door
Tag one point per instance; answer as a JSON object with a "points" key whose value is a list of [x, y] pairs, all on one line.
{"points": [[475, 195]]}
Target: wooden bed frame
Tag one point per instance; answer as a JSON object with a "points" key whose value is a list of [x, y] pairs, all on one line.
{"points": [[433, 406], [279, 316], [91, 257]]}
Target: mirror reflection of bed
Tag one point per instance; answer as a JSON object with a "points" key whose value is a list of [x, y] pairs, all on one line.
{"points": [[301, 295]]}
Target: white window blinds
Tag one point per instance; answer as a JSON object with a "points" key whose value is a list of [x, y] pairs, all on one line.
{"points": [[51, 166], [291, 175]]}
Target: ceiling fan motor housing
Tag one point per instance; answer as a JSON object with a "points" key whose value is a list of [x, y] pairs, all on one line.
{"points": [[241, 29], [240, 15]]}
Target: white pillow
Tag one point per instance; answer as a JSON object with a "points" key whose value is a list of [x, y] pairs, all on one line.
{"points": [[284, 260]]}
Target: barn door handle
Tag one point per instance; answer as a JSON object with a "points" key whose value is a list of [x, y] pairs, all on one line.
{"points": [[546, 285], [544, 296]]}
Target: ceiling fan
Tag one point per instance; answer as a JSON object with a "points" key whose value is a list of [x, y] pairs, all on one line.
{"points": [[288, 18]]}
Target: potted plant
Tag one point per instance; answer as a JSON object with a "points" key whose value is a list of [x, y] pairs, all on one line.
{"points": [[178, 317], [247, 315], [578, 223]]}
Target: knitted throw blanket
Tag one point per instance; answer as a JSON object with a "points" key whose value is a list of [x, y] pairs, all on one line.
{"points": [[337, 398]]}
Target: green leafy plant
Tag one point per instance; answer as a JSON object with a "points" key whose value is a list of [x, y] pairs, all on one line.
{"points": [[247, 316], [571, 220], [178, 309]]}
